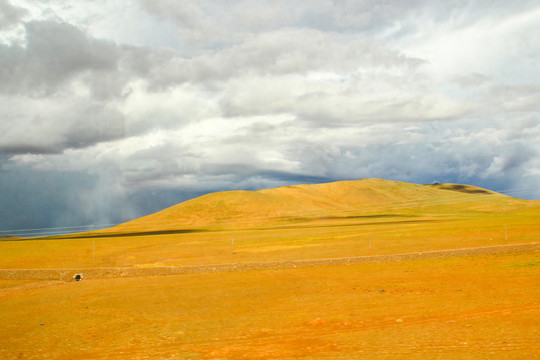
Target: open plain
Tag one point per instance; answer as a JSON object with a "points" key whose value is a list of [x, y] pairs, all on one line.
{"points": [[350, 270]]}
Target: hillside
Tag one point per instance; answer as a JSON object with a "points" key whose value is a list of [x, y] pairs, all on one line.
{"points": [[333, 220], [237, 209]]}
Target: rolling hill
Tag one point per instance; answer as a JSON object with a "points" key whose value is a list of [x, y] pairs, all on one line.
{"points": [[240, 209], [331, 220]]}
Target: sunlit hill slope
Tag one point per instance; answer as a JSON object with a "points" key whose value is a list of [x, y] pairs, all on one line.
{"points": [[339, 219], [344, 199]]}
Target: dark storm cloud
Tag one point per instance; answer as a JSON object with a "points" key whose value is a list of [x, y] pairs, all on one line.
{"points": [[40, 199], [94, 124], [52, 202], [9, 14], [54, 53], [51, 130]]}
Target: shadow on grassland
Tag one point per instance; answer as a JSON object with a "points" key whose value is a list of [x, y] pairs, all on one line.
{"points": [[383, 223], [109, 235], [460, 188], [139, 233]]}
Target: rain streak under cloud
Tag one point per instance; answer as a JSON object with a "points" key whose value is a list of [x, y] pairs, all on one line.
{"points": [[110, 110]]}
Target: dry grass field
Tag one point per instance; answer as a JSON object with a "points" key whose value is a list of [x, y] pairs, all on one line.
{"points": [[475, 304]]}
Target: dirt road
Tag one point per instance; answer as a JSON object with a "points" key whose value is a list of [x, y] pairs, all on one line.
{"points": [[94, 273]]}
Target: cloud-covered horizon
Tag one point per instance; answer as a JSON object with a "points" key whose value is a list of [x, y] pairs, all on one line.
{"points": [[110, 110]]}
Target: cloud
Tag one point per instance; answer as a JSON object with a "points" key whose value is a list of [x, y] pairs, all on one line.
{"points": [[495, 41], [155, 101], [54, 53], [49, 199], [42, 126], [513, 98], [9, 14], [196, 22], [179, 106], [298, 51]]}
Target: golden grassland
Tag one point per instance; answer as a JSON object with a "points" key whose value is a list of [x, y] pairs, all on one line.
{"points": [[474, 307], [468, 307]]}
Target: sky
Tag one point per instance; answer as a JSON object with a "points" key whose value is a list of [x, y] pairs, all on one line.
{"points": [[113, 109]]}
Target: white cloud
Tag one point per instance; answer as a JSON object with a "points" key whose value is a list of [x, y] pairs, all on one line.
{"points": [[502, 48], [41, 125], [176, 108]]}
